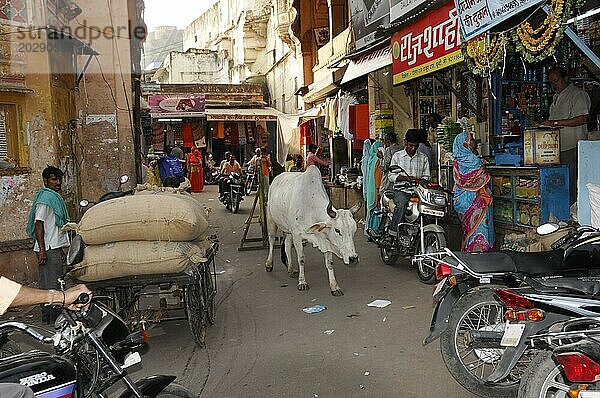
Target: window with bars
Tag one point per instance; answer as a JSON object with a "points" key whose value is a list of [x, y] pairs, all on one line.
{"points": [[3, 136]]}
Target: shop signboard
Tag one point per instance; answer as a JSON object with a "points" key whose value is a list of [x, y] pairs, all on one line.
{"points": [[430, 44], [479, 16], [401, 8], [176, 103], [367, 16]]}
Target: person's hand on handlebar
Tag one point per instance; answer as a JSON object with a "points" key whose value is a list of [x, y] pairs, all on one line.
{"points": [[72, 294]]}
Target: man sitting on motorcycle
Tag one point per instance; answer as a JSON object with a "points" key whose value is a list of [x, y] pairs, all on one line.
{"points": [[231, 166], [416, 166]]}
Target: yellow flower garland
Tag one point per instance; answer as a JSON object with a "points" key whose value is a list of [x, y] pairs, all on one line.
{"points": [[537, 40], [485, 53]]}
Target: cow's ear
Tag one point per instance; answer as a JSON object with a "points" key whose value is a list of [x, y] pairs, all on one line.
{"points": [[317, 228]]}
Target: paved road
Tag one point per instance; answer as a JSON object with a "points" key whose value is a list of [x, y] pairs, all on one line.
{"points": [[264, 345]]}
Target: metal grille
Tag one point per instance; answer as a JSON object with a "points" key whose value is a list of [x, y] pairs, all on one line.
{"points": [[3, 136]]}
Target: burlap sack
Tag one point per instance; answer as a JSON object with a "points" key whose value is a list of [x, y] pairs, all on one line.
{"points": [[120, 259], [148, 217]]}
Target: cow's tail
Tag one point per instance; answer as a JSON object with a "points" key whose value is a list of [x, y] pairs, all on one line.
{"points": [[284, 258]]}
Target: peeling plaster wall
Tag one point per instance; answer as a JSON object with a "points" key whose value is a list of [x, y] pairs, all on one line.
{"points": [[104, 133]]}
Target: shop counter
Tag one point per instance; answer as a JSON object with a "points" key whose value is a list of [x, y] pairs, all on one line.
{"points": [[525, 197]]}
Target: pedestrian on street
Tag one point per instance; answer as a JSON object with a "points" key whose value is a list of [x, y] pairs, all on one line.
{"points": [[195, 170], [13, 294], [313, 159], [569, 111], [47, 216]]}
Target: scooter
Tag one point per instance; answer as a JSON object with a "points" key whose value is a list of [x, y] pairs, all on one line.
{"points": [[465, 301], [420, 232]]}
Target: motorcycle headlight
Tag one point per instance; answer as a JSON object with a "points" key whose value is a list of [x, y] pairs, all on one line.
{"points": [[436, 198]]}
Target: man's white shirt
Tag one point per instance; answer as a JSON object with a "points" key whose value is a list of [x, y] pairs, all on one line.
{"points": [[416, 166], [53, 238]]}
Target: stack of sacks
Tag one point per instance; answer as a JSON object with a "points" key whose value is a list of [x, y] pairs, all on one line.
{"points": [[147, 233]]}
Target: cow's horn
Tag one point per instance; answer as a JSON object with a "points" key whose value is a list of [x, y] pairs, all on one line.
{"points": [[357, 206], [330, 210]]}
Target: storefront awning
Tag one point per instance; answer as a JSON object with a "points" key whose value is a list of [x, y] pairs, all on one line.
{"points": [[241, 114], [368, 63]]}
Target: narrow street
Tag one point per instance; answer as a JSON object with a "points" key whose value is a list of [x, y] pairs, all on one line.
{"points": [[264, 345]]}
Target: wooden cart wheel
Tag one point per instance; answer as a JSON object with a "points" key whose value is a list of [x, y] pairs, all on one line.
{"points": [[195, 311], [209, 292]]}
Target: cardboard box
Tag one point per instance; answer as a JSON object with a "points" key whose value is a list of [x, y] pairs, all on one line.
{"points": [[541, 146]]}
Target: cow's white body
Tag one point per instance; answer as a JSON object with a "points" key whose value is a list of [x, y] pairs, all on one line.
{"points": [[298, 207]]}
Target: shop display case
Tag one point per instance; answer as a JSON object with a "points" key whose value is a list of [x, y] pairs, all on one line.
{"points": [[525, 197]]}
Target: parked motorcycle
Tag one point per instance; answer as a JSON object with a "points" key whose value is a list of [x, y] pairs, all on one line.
{"points": [[234, 192], [465, 302], [569, 364], [419, 232], [110, 195], [92, 350], [250, 179], [535, 308]]}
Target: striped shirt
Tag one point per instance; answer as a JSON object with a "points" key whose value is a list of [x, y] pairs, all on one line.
{"points": [[417, 166]]}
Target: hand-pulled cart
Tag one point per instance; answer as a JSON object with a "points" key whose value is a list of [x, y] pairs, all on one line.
{"points": [[196, 289]]}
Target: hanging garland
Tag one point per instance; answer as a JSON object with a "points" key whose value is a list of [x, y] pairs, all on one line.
{"points": [[540, 43], [484, 53]]}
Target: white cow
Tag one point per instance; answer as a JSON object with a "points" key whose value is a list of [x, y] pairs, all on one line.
{"points": [[300, 207]]}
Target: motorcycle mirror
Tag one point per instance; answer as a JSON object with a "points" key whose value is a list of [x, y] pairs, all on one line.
{"points": [[124, 178], [84, 203], [546, 229]]}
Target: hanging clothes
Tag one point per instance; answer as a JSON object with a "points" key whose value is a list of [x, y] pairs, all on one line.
{"points": [[364, 164], [188, 136], [346, 100]]}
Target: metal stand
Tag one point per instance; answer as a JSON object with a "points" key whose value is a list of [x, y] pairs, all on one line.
{"points": [[260, 218]]}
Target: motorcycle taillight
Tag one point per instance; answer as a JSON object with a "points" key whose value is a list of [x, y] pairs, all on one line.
{"points": [[512, 299], [442, 270], [579, 368]]}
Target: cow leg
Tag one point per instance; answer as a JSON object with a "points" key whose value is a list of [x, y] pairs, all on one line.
{"points": [[272, 229], [292, 270], [333, 285], [302, 285]]}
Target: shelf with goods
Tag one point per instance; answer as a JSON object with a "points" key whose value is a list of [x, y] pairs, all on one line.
{"points": [[521, 102], [525, 197], [433, 98]]}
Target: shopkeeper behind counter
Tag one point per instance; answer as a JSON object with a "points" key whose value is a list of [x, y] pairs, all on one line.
{"points": [[569, 111]]}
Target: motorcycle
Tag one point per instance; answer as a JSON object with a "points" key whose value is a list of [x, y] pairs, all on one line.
{"points": [[110, 195], [93, 349], [420, 232], [211, 175], [569, 365], [234, 192], [251, 179], [465, 302], [535, 308]]}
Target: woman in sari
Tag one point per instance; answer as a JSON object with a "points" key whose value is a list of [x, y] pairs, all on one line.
{"points": [[195, 170], [372, 181], [472, 197]]}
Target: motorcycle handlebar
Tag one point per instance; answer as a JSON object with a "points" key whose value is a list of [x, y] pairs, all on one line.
{"points": [[8, 327]]}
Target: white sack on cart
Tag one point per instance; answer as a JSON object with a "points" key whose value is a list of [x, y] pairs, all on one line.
{"points": [[159, 217], [120, 259]]}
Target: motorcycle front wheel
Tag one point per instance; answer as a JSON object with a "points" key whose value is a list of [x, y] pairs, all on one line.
{"points": [[235, 202], [175, 390], [388, 255], [434, 242]]}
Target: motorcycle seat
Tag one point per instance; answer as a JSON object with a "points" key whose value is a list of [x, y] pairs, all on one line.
{"points": [[531, 263], [589, 287]]}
